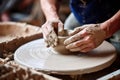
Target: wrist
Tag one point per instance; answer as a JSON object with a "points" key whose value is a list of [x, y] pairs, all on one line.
{"points": [[51, 18], [51, 15], [105, 26]]}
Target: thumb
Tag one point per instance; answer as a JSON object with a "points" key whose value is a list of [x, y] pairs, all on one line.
{"points": [[60, 27]]}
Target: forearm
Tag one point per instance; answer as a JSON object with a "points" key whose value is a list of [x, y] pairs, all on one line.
{"points": [[112, 25], [50, 9]]}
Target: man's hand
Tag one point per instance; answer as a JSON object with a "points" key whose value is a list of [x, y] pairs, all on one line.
{"points": [[85, 38], [50, 31]]}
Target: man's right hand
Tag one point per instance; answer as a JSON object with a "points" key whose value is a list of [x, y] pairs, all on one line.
{"points": [[50, 31], [85, 38]]}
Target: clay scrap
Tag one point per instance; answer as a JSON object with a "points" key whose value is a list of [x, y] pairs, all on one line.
{"points": [[14, 34], [13, 71]]}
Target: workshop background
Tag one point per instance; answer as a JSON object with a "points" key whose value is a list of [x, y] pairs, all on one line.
{"points": [[29, 11]]}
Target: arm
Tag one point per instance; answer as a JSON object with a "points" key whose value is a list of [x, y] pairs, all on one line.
{"points": [[112, 25], [50, 8], [90, 36], [52, 25]]}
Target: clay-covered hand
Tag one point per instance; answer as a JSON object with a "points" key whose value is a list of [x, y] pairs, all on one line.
{"points": [[50, 30], [85, 38]]}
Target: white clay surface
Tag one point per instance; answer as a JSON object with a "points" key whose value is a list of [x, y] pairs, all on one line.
{"points": [[35, 55]]}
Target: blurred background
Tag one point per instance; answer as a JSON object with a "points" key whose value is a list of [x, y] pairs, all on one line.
{"points": [[28, 11]]}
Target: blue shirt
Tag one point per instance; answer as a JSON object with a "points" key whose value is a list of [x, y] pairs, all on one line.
{"points": [[95, 11]]}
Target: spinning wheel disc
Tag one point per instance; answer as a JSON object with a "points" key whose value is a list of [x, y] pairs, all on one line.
{"points": [[35, 55]]}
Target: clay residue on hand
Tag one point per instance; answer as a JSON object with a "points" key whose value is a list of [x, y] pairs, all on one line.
{"points": [[52, 39]]}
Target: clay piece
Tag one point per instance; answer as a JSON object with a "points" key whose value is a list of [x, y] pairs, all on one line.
{"points": [[60, 48]]}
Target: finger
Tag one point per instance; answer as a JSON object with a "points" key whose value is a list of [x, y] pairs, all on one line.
{"points": [[76, 30], [82, 49], [46, 43], [53, 38], [82, 46], [50, 27], [55, 41], [86, 49], [55, 27], [75, 49], [76, 37], [44, 30], [44, 33], [86, 40], [75, 44], [60, 27]]}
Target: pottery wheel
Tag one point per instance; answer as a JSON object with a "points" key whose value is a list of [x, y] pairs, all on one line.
{"points": [[35, 55]]}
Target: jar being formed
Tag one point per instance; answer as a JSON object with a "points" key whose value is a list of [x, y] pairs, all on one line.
{"points": [[60, 48]]}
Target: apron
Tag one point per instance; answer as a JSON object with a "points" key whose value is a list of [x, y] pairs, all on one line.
{"points": [[94, 11]]}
